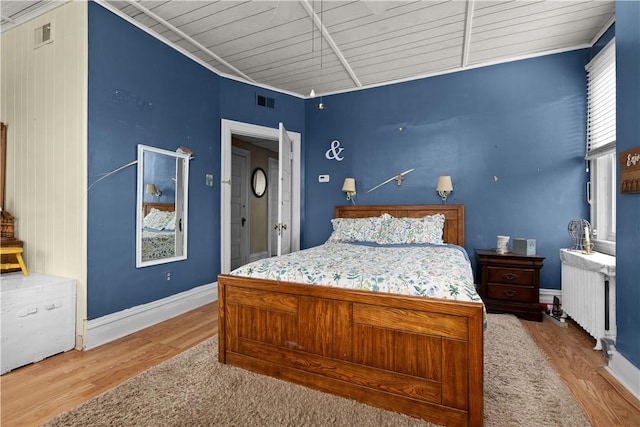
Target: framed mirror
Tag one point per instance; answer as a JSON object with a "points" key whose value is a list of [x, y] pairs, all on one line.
{"points": [[3, 161], [259, 182], [161, 220]]}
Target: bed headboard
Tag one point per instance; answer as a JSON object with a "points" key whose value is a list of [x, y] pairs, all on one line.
{"points": [[146, 207], [453, 224]]}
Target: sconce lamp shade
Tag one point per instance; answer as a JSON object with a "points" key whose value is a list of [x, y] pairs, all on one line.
{"points": [[444, 187], [349, 187], [152, 189], [444, 184]]}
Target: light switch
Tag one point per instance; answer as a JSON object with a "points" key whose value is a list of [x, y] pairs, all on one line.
{"points": [[323, 178]]}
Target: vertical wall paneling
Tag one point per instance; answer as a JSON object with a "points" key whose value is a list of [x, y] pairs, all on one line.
{"points": [[44, 98]]}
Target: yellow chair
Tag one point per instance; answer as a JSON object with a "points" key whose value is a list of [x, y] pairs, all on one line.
{"points": [[18, 253]]}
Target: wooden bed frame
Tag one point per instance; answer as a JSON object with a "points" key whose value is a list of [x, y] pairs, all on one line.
{"points": [[414, 355], [146, 207]]}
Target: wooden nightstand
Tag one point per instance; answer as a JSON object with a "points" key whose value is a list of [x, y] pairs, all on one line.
{"points": [[510, 283]]}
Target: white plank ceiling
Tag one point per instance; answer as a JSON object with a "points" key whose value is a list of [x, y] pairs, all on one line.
{"points": [[335, 46]]}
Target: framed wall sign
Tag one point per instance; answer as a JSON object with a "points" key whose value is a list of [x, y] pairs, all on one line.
{"points": [[630, 171]]}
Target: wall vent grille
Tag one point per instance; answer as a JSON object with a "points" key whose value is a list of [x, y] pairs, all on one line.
{"points": [[265, 101], [43, 35]]}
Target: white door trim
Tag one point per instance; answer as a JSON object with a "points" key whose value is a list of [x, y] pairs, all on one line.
{"points": [[227, 129]]}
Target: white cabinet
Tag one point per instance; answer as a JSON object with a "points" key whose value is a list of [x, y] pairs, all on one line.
{"points": [[38, 318]]}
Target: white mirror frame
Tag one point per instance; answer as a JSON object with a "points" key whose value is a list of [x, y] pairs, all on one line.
{"points": [[182, 180]]}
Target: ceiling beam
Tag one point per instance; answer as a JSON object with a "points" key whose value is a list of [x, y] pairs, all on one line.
{"points": [[188, 39], [6, 18], [468, 27], [325, 34]]}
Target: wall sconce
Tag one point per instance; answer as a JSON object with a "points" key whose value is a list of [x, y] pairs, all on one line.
{"points": [[349, 187], [152, 189], [444, 187]]}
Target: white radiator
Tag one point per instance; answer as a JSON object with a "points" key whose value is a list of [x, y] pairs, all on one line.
{"points": [[588, 292]]}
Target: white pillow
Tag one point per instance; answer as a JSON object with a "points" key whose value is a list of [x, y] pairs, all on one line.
{"points": [[427, 229], [355, 229], [171, 224], [157, 219]]}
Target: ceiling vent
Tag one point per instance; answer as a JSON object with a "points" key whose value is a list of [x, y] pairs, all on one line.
{"points": [[265, 101], [43, 35]]}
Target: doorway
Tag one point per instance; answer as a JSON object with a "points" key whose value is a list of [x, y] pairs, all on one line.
{"points": [[240, 226], [229, 129], [250, 209]]}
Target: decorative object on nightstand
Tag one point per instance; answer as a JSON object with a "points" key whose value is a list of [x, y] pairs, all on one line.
{"points": [[510, 283], [502, 245], [524, 246]]}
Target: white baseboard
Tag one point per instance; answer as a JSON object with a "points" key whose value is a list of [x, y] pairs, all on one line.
{"points": [[117, 325], [546, 295], [625, 372]]}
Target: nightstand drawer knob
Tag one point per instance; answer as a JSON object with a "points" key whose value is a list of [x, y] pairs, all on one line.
{"points": [[510, 293], [510, 276]]}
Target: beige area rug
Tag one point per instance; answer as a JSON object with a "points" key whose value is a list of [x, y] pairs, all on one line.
{"points": [[193, 389]]}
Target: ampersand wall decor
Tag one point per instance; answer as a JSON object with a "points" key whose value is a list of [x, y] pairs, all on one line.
{"points": [[333, 153]]}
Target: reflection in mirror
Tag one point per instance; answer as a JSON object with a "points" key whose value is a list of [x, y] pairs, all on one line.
{"points": [[161, 229], [259, 182]]}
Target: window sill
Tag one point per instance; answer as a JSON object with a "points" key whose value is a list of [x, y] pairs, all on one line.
{"points": [[605, 246]]}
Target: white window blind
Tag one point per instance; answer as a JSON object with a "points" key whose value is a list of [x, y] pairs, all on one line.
{"points": [[601, 105], [601, 147]]}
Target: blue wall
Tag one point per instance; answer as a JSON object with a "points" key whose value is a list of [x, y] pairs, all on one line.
{"points": [[522, 123], [238, 102], [138, 95], [144, 92], [628, 205], [512, 137]]}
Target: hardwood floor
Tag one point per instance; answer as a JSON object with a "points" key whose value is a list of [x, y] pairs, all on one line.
{"points": [[38, 392], [570, 352], [35, 393]]}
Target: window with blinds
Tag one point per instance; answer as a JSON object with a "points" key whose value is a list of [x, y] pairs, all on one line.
{"points": [[601, 147], [601, 104]]}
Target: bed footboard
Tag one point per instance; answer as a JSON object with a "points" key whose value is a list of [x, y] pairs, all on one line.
{"points": [[418, 356]]}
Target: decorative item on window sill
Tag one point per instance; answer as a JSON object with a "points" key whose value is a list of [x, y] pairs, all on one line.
{"points": [[444, 187], [349, 187], [580, 231]]}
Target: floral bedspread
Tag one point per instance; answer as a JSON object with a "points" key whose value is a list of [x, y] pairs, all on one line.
{"points": [[437, 271], [158, 244]]}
